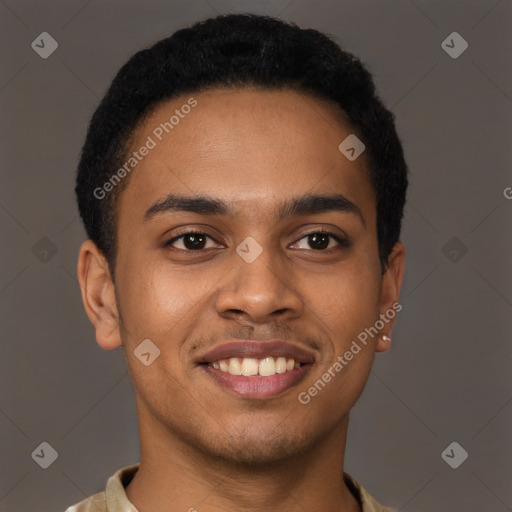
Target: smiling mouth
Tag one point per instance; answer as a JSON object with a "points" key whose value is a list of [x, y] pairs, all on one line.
{"points": [[252, 378], [257, 369], [252, 367]]}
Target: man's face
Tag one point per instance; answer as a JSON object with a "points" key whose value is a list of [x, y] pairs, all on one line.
{"points": [[255, 151]]}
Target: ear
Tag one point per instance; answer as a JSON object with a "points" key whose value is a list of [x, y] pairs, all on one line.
{"points": [[98, 295], [390, 294]]}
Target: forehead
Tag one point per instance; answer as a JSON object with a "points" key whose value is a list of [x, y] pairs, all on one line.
{"points": [[250, 147]]}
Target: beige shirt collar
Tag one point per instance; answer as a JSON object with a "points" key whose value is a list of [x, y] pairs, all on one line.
{"points": [[114, 498]]}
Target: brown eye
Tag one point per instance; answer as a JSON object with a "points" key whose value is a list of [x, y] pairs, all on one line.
{"points": [[194, 241], [322, 240], [318, 241], [190, 241]]}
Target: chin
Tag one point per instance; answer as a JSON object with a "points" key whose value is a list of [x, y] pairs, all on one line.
{"points": [[252, 448]]}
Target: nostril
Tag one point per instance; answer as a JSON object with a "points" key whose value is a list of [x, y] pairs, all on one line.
{"points": [[236, 311]]}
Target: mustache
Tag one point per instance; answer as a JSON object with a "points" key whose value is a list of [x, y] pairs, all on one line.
{"points": [[271, 330]]}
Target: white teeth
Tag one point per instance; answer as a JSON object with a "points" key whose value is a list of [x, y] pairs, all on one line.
{"points": [[280, 364], [234, 366], [250, 367], [267, 367]]}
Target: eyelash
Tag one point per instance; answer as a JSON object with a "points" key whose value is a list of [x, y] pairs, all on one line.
{"points": [[343, 242]]}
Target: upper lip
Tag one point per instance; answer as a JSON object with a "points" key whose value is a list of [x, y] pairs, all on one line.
{"points": [[258, 350]]}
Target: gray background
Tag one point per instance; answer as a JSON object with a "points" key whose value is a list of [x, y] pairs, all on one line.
{"points": [[447, 376]]}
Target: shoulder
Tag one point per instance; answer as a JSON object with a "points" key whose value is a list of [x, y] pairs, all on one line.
{"points": [[368, 502], [113, 498], [95, 503]]}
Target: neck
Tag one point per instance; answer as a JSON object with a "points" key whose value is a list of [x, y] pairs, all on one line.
{"points": [[173, 472]]}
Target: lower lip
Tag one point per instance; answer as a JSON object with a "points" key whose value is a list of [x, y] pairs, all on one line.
{"points": [[258, 387]]}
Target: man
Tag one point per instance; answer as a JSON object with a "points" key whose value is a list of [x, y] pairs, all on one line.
{"points": [[242, 188]]}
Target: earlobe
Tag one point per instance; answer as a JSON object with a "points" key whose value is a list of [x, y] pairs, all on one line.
{"points": [[98, 295], [390, 295], [383, 343]]}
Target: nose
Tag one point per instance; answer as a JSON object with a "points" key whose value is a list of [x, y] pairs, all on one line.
{"points": [[260, 291]]}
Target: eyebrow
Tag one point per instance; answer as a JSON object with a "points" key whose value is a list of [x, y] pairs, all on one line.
{"points": [[306, 204]]}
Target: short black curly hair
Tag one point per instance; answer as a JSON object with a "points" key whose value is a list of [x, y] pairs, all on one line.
{"points": [[237, 50]]}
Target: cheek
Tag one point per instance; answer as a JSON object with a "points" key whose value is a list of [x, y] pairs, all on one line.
{"points": [[154, 299], [351, 307], [162, 305], [346, 307], [347, 300]]}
